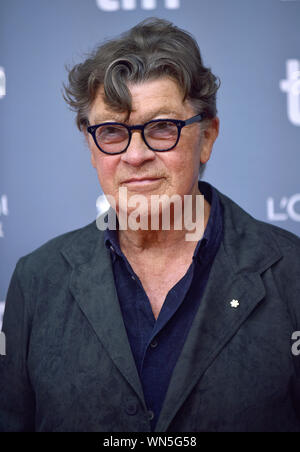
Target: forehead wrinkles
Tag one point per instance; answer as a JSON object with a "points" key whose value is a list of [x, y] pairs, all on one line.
{"points": [[164, 112], [149, 100]]}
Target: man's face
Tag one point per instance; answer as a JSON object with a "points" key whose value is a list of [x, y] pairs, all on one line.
{"points": [[171, 172]]}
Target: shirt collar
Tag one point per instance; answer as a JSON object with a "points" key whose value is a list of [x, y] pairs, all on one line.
{"points": [[214, 224], [213, 228]]}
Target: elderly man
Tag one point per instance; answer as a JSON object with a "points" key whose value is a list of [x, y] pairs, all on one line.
{"points": [[132, 329]]}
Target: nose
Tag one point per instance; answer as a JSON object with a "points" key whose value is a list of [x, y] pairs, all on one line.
{"points": [[137, 152]]}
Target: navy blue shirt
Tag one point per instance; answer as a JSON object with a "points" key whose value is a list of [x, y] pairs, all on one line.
{"points": [[156, 344]]}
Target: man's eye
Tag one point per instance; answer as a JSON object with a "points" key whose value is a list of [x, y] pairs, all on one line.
{"points": [[162, 128], [161, 125], [111, 133]]}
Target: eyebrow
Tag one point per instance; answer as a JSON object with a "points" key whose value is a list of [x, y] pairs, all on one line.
{"points": [[148, 116]]}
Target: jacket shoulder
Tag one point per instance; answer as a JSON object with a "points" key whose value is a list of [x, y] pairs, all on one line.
{"points": [[241, 222], [47, 259], [284, 238], [254, 245]]}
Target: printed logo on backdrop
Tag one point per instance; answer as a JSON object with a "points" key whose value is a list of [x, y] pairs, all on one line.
{"points": [[3, 208], [285, 209], [129, 5], [3, 198], [291, 86], [3, 212], [2, 83]]}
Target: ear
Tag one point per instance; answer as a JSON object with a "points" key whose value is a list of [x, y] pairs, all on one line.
{"points": [[86, 134], [90, 146], [209, 137]]}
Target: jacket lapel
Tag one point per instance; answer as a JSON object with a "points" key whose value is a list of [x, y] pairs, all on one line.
{"points": [[92, 285], [215, 323], [235, 275]]}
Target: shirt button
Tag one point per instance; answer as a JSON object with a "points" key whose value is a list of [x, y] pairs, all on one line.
{"points": [[132, 277], [154, 343], [112, 248], [150, 415]]}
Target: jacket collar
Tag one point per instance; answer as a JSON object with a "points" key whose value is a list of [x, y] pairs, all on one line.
{"points": [[247, 249], [240, 229]]}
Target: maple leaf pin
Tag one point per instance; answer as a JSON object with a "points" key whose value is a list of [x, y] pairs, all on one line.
{"points": [[234, 303]]}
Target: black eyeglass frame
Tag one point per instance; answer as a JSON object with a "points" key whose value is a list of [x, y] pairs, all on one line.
{"points": [[178, 122]]}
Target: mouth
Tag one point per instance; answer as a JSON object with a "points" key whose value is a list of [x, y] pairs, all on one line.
{"points": [[141, 181]]}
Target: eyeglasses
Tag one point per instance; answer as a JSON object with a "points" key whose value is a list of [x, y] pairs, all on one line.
{"points": [[160, 135]]}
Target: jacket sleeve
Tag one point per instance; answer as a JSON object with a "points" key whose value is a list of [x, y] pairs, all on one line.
{"points": [[17, 403]]}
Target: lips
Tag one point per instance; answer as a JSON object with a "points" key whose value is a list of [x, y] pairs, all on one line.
{"points": [[139, 180]]}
